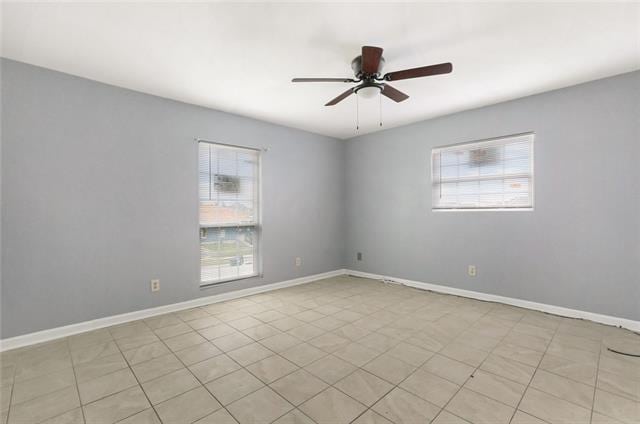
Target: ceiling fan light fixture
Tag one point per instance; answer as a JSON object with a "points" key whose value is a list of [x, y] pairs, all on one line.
{"points": [[369, 92]]}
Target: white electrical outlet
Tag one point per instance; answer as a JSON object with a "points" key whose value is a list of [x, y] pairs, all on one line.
{"points": [[298, 261], [155, 285], [472, 270]]}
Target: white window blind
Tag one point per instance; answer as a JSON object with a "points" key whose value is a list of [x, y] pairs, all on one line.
{"points": [[491, 174], [229, 204]]}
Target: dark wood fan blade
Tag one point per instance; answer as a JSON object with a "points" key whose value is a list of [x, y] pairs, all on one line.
{"points": [[371, 59], [424, 71], [395, 95], [323, 80], [340, 98]]}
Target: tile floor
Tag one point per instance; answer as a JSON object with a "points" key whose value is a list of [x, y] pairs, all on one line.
{"points": [[341, 350]]}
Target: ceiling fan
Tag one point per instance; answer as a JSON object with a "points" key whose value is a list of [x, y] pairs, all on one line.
{"points": [[367, 70]]}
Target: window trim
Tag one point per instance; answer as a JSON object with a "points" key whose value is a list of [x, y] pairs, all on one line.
{"points": [[205, 284], [439, 149]]}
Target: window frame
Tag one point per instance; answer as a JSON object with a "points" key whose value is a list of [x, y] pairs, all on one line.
{"points": [[439, 149], [257, 225]]}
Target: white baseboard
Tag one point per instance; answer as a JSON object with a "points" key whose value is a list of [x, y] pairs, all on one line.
{"points": [[81, 327], [552, 309]]}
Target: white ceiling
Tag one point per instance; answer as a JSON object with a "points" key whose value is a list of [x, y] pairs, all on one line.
{"points": [[240, 58]]}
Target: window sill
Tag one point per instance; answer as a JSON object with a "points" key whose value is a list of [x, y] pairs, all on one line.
{"points": [[483, 210], [209, 284]]}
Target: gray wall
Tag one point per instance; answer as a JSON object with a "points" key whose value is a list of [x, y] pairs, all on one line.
{"points": [[99, 195], [580, 248]]}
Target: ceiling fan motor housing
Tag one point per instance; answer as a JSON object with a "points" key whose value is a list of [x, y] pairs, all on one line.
{"points": [[356, 65]]}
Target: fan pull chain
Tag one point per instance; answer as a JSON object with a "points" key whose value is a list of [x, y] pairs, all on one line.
{"points": [[357, 113], [380, 110]]}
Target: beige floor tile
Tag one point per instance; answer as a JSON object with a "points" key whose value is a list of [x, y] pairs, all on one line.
{"points": [[389, 368], [88, 353], [157, 367], [231, 341], [573, 354], [569, 390], [286, 324], [496, 387], [371, 417], [244, 323], [169, 385], [132, 342], [329, 342], [402, 407], [479, 409], [272, 368], [410, 354], [261, 331], [519, 353], [332, 407], [364, 387], [184, 341], [106, 385], [129, 329], [583, 373], [99, 367], [232, 387], [214, 368], [294, 417], [197, 353], [280, 342], [221, 416], [116, 407], [146, 352], [620, 364], [75, 416], [162, 321], [598, 418], [249, 354], [306, 332], [172, 330], [38, 386], [187, 407], [204, 322], [508, 368], [618, 407], [525, 340], [445, 417], [619, 385], [463, 353], [5, 398], [303, 354], [329, 323], [43, 407], [430, 387], [298, 386], [192, 314], [262, 406], [216, 331], [356, 354], [330, 369], [522, 418], [351, 332], [308, 316], [148, 416], [270, 315], [449, 369], [378, 342], [552, 409], [42, 365]]}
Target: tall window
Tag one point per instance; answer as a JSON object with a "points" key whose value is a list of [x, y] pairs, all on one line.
{"points": [[491, 174], [229, 224]]}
